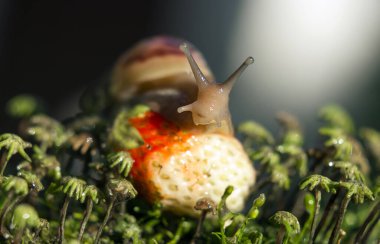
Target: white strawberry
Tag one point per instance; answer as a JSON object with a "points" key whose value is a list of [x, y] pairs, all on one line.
{"points": [[178, 168]]}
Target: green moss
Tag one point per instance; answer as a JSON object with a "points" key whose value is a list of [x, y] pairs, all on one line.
{"points": [[88, 195]]}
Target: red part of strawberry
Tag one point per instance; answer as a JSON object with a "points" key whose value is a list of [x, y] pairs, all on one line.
{"points": [[177, 168]]}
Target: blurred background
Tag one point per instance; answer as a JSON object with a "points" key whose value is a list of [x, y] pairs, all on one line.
{"points": [[307, 53]]}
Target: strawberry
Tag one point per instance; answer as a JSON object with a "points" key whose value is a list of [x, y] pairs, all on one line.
{"points": [[177, 167]]}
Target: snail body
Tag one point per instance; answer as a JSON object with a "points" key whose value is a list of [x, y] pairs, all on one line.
{"points": [[186, 156]]}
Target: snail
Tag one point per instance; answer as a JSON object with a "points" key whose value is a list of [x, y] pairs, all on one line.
{"points": [[189, 150], [172, 75]]}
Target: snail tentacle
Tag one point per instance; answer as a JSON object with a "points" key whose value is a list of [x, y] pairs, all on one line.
{"points": [[188, 107], [199, 76], [228, 84]]}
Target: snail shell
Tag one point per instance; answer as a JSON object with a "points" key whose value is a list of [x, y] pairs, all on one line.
{"points": [[155, 64]]}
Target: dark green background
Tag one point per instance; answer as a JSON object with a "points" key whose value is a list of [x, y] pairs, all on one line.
{"points": [[54, 49]]}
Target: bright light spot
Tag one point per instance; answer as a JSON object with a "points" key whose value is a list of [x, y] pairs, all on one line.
{"points": [[307, 53]]}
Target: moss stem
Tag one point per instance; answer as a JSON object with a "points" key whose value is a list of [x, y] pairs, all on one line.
{"points": [[3, 230], [198, 231], [371, 227], [325, 215], [280, 238], [105, 220], [3, 163], [85, 219], [317, 195], [374, 212], [61, 229], [123, 208], [6, 202], [343, 207]]}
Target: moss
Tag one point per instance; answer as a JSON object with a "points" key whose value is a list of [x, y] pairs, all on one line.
{"points": [[95, 200]]}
